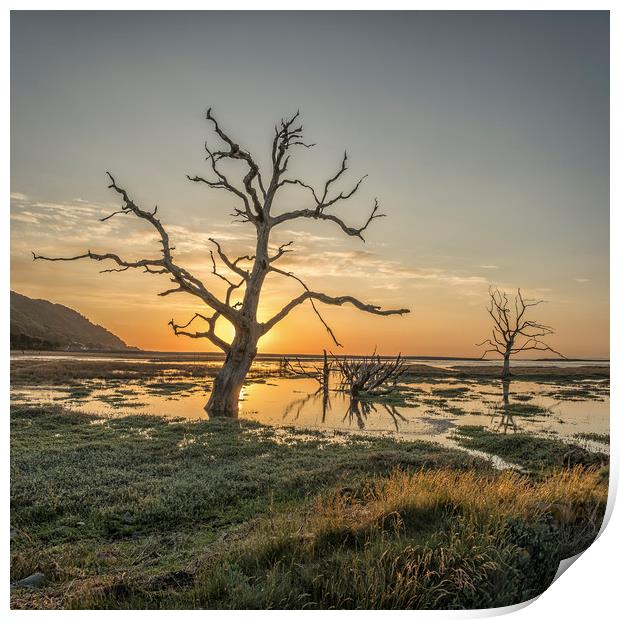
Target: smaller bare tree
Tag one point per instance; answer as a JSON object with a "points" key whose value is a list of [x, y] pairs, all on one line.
{"points": [[366, 374], [514, 333]]}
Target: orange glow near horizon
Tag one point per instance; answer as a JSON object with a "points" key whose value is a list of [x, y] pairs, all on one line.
{"points": [[479, 187], [442, 323], [448, 315]]}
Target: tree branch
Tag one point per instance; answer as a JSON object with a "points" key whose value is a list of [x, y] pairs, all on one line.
{"points": [[181, 276], [179, 330], [288, 274], [317, 214], [236, 152], [233, 265], [326, 299], [283, 249]]}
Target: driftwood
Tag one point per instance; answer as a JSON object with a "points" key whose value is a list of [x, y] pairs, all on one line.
{"points": [[366, 374], [256, 194]]}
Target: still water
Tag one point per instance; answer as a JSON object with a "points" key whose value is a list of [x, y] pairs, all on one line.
{"points": [[430, 410]]}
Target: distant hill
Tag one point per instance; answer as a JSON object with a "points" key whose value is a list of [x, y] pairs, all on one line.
{"points": [[40, 324]]}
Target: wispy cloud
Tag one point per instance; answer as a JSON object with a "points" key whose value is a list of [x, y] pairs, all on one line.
{"points": [[307, 237], [28, 218], [68, 224], [327, 262], [378, 272], [582, 280]]}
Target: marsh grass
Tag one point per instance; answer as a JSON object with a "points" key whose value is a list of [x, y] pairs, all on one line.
{"points": [[452, 392], [142, 512], [581, 393], [454, 410], [537, 454], [522, 397], [118, 401], [598, 437], [409, 540], [523, 409]]}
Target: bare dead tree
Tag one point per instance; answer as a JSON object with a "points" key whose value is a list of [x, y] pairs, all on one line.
{"points": [[366, 374], [256, 194], [514, 333]]}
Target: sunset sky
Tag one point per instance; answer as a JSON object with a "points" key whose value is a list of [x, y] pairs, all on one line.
{"points": [[485, 137]]}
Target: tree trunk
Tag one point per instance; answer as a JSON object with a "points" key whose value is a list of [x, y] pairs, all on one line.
{"points": [[506, 370], [224, 400]]}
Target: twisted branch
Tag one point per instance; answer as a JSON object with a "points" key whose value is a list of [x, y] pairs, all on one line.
{"points": [[179, 275]]}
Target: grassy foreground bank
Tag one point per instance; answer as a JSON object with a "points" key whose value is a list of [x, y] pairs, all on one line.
{"points": [[144, 512]]}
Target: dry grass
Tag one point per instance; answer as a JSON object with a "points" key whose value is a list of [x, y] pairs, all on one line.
{"points": [[405, 499], [427, 539]]}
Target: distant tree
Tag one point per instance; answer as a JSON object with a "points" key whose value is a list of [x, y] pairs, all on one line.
{"points": [[514, 333], [256, 194]]}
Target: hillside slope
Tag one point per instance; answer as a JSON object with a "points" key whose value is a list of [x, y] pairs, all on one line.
{"points": [[40, 324]]}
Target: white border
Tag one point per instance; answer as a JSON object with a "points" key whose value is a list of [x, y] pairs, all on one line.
{"points": [[588, 588]]}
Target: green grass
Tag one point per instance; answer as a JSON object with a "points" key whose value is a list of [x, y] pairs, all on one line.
{"points": [[599, 437], [523, 409], [536, 454], [142, 512], [451, 392]]}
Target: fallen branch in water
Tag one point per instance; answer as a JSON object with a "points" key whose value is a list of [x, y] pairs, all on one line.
{"points": [[366, 374]]}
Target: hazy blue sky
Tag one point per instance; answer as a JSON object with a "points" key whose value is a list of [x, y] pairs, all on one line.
{"points": [[485, 137]]}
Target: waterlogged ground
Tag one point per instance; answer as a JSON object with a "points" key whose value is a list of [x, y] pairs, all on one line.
{"points": [[432, 402], [125, 495]]}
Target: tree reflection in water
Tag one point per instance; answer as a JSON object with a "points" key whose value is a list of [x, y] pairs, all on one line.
{"points": [[505, 415], [359, 410], [506, 420], [373, 371]]}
